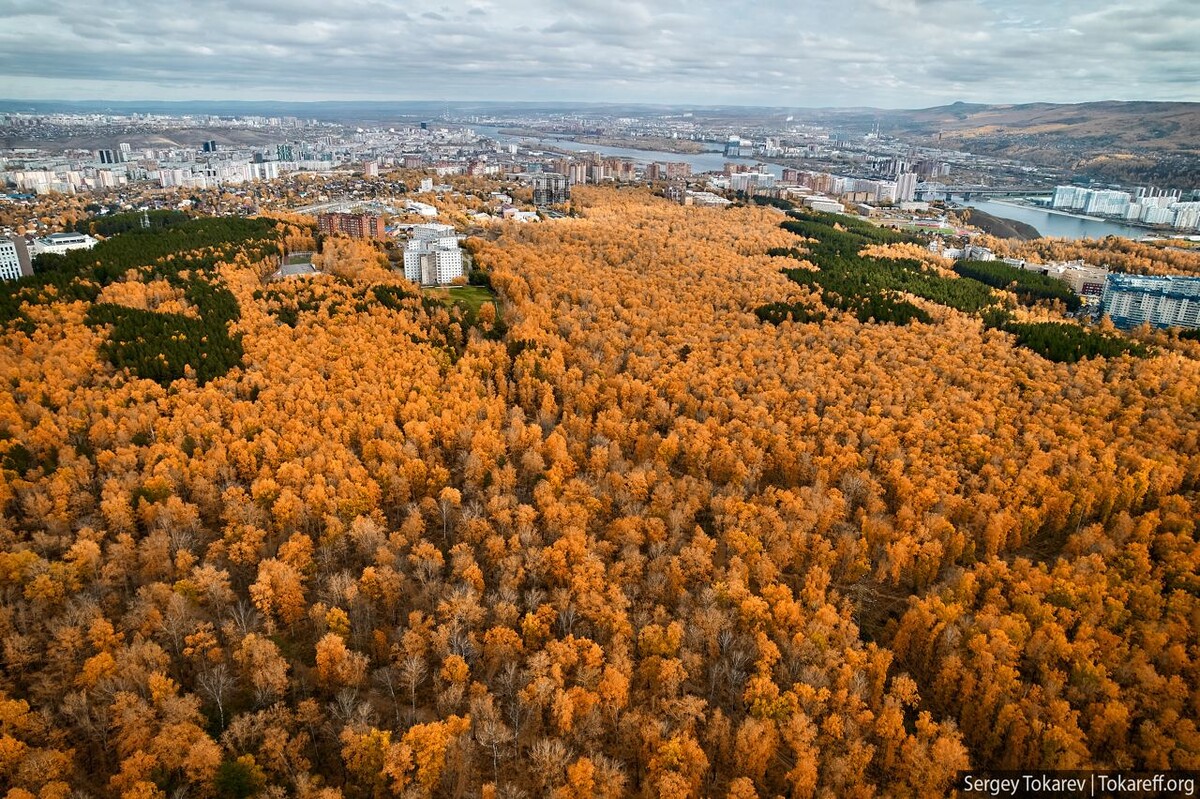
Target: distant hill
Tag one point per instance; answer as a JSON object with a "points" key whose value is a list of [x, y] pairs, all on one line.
{"points": [[1152, 142]]}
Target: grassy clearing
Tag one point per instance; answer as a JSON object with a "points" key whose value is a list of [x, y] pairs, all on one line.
{"points": [[469, 297]]}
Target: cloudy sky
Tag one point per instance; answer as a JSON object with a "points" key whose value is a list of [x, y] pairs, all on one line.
{"points": [[891, 53]]}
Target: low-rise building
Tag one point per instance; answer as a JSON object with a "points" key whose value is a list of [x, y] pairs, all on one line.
{"points": [[1086, 280], [705, 198], [818, 203], [60, 243], [423, 209]]}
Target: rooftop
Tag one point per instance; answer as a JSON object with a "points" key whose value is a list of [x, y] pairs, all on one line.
{"points": [[293, 270]]}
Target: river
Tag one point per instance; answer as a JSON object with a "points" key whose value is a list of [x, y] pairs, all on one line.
{"points": [[701, 162], [1058, 225]]}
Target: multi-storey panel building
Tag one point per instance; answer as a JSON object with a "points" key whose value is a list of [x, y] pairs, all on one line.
{"points": [[356, 226], [14, 259], [1130, 300]]}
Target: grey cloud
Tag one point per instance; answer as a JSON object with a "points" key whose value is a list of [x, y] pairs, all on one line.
{"points": [[828, 52]]}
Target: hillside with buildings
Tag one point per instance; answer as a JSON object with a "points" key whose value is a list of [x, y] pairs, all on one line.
{"points": [[1140, 142]]}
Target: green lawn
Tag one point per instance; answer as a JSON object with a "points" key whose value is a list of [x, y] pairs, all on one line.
{"points": [[300, 258], [470, 297]]}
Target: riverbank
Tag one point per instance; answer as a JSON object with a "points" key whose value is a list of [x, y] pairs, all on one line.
{"points": [[1018, 204], [999, 226], [1057, 224], [1150, 229]]}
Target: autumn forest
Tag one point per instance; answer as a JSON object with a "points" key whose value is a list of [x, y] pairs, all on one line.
{"points": [[704, 502]]}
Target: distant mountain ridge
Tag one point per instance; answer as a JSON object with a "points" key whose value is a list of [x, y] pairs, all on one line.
{"points": [[1129, 141]]}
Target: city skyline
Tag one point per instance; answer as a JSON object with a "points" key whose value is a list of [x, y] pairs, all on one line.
{"points": [[888, 54]]}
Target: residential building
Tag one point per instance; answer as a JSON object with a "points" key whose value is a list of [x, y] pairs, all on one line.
{"points": [[678, 169], [550, 188], [1106, 203], [1130, 300], [14, 259], [1085, 279], [267, 170], [1154, 215], [431, 259], [1068, 198], [906, 187], [751, 182], [705, 199], [1187, 215], [356, 226]]}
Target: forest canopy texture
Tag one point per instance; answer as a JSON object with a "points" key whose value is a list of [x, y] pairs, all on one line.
{"points": [[699, 504]]}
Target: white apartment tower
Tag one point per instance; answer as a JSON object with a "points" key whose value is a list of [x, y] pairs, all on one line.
{"points": [[432, 256], [14, 259]]}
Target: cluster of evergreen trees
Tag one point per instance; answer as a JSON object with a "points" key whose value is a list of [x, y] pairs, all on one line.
{"points": [[287, 301], [776, 312], [155, 247], [1062, 342], [175, 248], [127, 223], [868, 288], [161, 346], [1028, 286]]}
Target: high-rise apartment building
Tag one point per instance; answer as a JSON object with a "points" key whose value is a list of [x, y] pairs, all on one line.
{"points": [[1106, 203], [751, 182], [432, 256], [906, 187], [578, 173], [1130, 300], [14, 259], [550, 188]]}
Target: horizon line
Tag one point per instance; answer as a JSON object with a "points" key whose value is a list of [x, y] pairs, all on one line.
{"points": [[580, 103]]}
